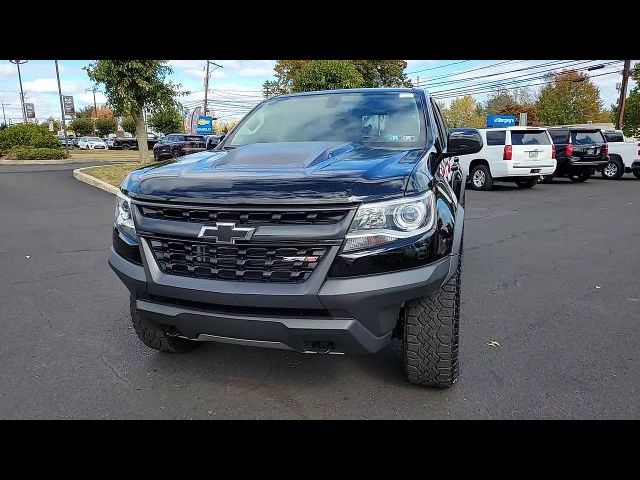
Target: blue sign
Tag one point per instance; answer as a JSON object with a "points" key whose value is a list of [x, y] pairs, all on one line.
{"points": [[501, 121], [204, 125]]}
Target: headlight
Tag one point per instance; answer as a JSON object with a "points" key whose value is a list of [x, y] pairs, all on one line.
{"points": [[383, 222], [124, 219]]}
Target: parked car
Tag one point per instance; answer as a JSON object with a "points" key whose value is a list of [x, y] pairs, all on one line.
{"points": [[62, 141], [178, 144], [580, 152], [211, 141], [326, 222], [131, 143], [109, 142], [91, 143], [624, 156], [510, 154]]}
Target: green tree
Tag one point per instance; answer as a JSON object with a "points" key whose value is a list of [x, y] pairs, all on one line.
{"points": [[373, 73], [382, 73], [128, 124], [105, 126], [570, 98], [81, 126], [131, 86], [464, 112], [167, 120], [85, 112], [327, 75], [516, 109]]}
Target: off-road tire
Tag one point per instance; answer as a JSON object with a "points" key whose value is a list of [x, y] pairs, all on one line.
{"points": [[155, 335], [488, 179], [615, 168], [125, 146], [430, 335], [527, 183]]}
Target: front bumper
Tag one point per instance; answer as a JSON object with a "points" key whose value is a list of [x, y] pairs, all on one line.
{"points": [[352, 315]]}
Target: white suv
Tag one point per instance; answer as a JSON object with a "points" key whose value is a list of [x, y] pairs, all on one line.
{"points": [[510, 154]]}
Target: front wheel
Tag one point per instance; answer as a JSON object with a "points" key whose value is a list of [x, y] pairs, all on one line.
{"points": [[175, 153], [125, 147], [613, 170], [481, 178], [527, 182], [636, 173], [579, 177], [430, 335], [156, 335]]}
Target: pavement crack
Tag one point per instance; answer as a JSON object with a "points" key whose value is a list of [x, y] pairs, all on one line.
{"points": [[114, 371], [23, 282]]}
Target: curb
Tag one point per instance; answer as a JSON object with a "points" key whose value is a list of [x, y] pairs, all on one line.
{"points": [[63, 161], [79, 174]]}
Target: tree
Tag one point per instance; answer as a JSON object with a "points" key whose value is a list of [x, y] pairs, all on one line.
{"points": [[464, 112], [82, 126], [128, 124], [497, 101], [167, 120], [327, 75], [570, 98], [382, 73], [85, 112], [105, 126], [131, 86], [373, 73]]}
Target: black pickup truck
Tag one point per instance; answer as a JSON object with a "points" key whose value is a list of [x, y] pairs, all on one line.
{"points": [[580, 152], [132, 143], [325, 222]]}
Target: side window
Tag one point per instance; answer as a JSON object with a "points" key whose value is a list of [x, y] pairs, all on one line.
{"points": [[441, 125], [496, 137], [559, 136]]}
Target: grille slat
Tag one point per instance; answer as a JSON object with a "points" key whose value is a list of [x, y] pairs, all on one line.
{"points": [[245, 217], [263, 263]]}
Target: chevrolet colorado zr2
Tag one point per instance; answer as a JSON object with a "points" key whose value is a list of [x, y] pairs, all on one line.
{"points": [[325, 222]]}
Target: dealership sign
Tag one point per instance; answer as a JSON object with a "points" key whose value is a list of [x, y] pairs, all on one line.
{"points": [[205, 125], [69, 109], [501, 121], [30, 109]]}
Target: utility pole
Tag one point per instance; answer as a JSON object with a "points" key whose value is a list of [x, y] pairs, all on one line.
{"points": [[3, 114], [206, 84], [63, 123], [623, 94], [95, 107], [18, 63]]}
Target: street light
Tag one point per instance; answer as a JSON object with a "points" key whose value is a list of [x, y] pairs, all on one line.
{"points": [[18, 63]]}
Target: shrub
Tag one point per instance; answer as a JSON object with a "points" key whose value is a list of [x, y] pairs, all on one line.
{"points": [[33, 153], [27, 135]]}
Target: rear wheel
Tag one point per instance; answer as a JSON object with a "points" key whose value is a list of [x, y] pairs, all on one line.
{"points": [[546, 179], [481, 178], [125, 146], [430, 335], [156, 335], [527, 182], [636, 173], [613, 170], [579, 177], [175, 153]]}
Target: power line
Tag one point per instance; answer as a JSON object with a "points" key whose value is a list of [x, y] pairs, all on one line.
{"points": [[439, 66]]}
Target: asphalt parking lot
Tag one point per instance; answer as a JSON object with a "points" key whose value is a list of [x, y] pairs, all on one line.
{"points": [[550, 274]]}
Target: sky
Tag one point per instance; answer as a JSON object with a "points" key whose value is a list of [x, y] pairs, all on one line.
{"points": [[236, 86]]}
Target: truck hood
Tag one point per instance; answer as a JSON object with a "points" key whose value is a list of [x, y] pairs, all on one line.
{"points": [[272, 173]]}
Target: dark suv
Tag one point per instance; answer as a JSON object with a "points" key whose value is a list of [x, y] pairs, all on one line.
{"points": [[326, 222], [579, 152], [176, 145]]}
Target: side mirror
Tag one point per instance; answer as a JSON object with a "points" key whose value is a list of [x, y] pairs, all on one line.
{"points": [[463, 141]]}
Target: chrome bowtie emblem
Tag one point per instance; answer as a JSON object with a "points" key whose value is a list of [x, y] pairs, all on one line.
{"points": [[226, 232]]}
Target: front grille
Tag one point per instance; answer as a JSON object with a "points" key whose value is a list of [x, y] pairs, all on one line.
{"points": [[249, 262], [244, 217]]}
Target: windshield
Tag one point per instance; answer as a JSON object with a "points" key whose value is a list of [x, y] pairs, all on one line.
{"points": [[379, 119], [529, 137], [586, 137]]}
